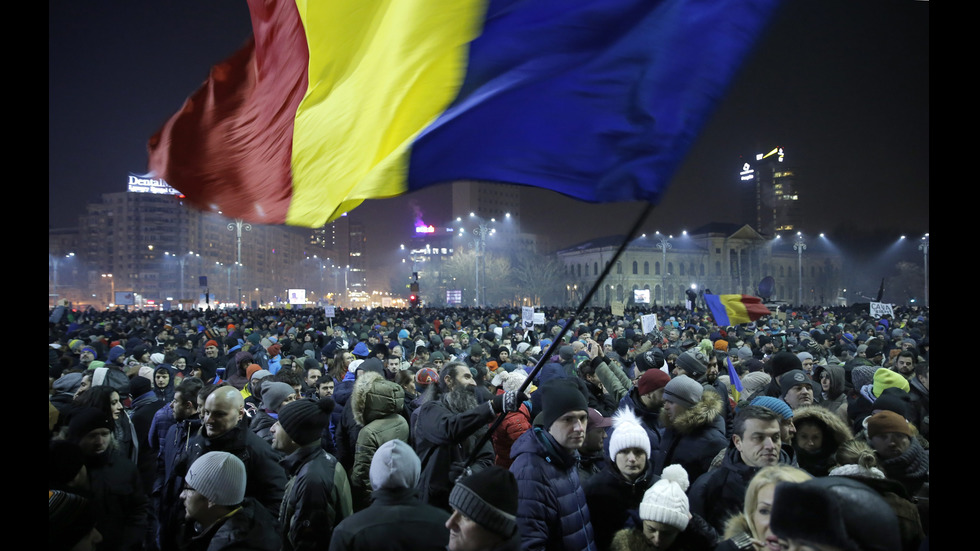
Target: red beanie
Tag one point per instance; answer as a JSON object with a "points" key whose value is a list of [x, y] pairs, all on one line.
{"points": [[651, 380]]}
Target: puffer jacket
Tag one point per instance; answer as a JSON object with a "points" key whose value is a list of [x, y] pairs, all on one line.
{"points": [[317, 498], [552, 512], [377, 405], [508, 431], [694, 438]]}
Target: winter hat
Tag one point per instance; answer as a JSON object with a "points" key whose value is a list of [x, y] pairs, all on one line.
{"points": [[754, 382], [884, 422], [566, 352], [146, 372], [651, 359], [71, 517], [894, 399], [273, 393], [139, 386], [426, 376], [371, 364], [793, 378], [274, 350], [862, 375], [777, 406], [395, 466], [87, 420], [68, 383], [886, 378], [512, 381], [157, 358], [804, 356], [684, 391], [694, 362], [259, 375], [489, 498], [361, 350], [304, 420], [666, 501], [627, 433], [251, 370], [783, 362], [476, 349], [211, 342], [219, 477], [522, 347], [835, 511], [651, 380], [744, 353], [558, 397], [115, 352]]}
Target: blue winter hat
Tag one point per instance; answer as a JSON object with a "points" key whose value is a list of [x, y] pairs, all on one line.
{"points": [[361, 350], [776, 405]]}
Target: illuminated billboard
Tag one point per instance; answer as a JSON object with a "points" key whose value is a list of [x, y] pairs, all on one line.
{"points": [[145, 184], [297, 296], [641, 296]]}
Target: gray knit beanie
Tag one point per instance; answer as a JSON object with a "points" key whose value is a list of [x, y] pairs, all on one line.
{"points": [[273, 394], [218, 476], [684, 391], [693, 361]]}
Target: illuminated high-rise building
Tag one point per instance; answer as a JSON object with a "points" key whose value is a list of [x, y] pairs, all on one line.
{"points": [[770, 193]]}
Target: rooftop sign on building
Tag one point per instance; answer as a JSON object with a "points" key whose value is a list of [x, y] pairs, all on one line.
{"points": [[144, 184]]}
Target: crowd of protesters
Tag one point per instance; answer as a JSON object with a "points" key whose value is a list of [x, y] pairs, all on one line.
{"points": [[466, 429]]}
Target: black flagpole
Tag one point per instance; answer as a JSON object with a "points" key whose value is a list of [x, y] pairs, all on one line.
{"points": [[557, 340]]}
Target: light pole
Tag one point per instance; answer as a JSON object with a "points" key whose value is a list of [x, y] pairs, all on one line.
{"points": [[180, 260], [237, 226], [481, 231], [112, 289], [54, 264], [799, 245], [663, 245], [924, 247]]}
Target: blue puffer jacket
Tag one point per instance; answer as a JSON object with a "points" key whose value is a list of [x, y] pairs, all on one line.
{"points": [[547, 477]]}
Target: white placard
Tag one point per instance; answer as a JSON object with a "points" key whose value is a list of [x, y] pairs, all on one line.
{"points": [[329, 311], [879, 309], [527, 316], [648, 322], [539, 318]]}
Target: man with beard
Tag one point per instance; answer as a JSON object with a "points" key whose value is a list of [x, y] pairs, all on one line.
{"points": [[451, 422], [797, 389], [905, 364]]}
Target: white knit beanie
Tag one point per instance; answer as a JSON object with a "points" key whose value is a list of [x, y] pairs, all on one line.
{"points": [[627, 433], [219, 477], [666, 501]]}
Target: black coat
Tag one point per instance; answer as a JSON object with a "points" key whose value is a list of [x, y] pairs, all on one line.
{"points": [[120, 502], [382, 526], [611, 498]]}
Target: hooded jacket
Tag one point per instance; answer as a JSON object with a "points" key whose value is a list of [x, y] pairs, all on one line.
{"points": [[836, 432], [508, 431], [552, 512], [694, 438], [612, 499], [376, 404]]}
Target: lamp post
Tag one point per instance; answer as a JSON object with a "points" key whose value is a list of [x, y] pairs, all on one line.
{"points": [[663, 245], [180, 260], [799, 245], [924, 247], [481, 232], [54, 263], [112, 288], [237, 226]]}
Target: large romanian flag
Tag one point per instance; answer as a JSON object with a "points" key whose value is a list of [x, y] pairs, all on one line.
{"points": [[336, 101], [735, 309]]}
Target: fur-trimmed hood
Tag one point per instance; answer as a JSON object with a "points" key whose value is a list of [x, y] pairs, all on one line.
{"points": [[700, 415], [375, 397], [837, 427]]}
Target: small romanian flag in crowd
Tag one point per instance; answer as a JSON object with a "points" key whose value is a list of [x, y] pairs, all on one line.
{"points": [[735, 309], [734, 382], [334, 102]]}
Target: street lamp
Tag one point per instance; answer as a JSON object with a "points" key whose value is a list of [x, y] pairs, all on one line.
{"points": [[799, 245], [663, 245], [481, 231], [924, 247], [180, 260], [54, 264], [112, 288], [237, 226]]}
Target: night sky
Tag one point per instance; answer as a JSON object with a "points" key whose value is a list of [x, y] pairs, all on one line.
{"points": [[841, 85]]}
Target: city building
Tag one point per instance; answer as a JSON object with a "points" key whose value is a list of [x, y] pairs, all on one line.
{"points": [[720, 258], [770, 192]]}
